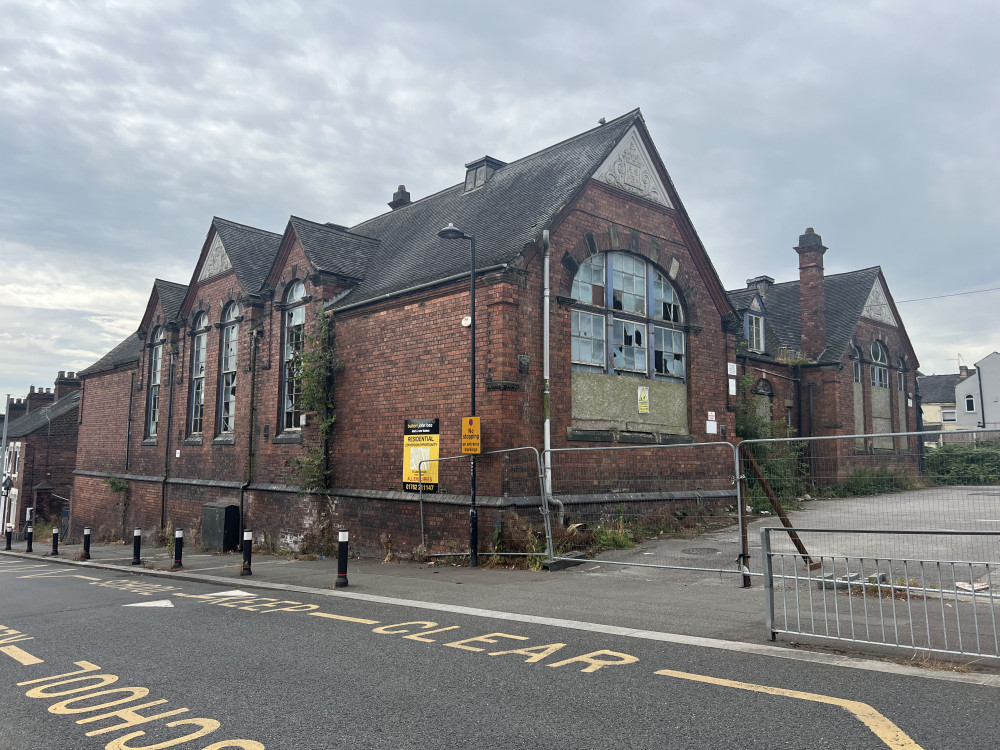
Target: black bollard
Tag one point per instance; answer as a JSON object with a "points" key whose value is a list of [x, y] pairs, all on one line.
{"points": [[29, 535], [9, 534], [55, 541], [247, 549], [136, 546], [178, 549], [341, 560], [86, 544]]}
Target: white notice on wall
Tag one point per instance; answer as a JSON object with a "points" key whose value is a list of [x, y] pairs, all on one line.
{"points": [[732, 386], [711, 416], [731, 368], [712, 427]]}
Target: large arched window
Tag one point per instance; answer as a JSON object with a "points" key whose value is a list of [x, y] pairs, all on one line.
{"points": [[880, 365], [199, 345], [639, 328], [155, 379], [228, 357], [294, 340]]}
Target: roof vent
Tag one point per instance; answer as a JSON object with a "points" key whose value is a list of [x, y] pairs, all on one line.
{"points": [[400, 198], [478, 172]]}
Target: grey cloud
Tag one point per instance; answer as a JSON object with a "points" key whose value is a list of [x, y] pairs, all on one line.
{"points": [[125, 127]]}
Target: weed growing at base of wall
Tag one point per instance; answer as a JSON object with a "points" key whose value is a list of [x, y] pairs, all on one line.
{"points": [[120, 487]]}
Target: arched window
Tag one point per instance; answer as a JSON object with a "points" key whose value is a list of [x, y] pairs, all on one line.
{"points": [[638, 331], [856, 356], [879, 366], [228, 357], [900, 374], [155, 378], [970, 404], [199, 344], [763, 392], [294, 340]]}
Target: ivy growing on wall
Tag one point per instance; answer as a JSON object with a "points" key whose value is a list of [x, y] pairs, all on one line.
{"points": [[315, 370]]}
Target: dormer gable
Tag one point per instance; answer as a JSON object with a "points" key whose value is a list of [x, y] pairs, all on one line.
{"points": [[754, 319], [877, 306], [630, 167], [216, 260]]}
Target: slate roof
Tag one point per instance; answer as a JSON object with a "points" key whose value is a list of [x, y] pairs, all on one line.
{"points": [[333, 249], [251, 251], [939, 389], [845, 295], [39, 418], [505, 214], [171, 297], [126, 352]]}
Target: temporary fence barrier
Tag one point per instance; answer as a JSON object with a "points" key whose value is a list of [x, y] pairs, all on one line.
{"points": [[914, 600], [506, 479], [848, 482], [612, 499]]}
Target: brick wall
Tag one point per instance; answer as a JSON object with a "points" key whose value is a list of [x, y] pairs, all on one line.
{"points": [[403, 358]]}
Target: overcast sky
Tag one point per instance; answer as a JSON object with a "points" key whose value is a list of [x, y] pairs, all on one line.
{"points": [[125, 126]]}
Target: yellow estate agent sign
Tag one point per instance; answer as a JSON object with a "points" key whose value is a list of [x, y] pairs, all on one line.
{"points": [[471, 436], [421, 438]]}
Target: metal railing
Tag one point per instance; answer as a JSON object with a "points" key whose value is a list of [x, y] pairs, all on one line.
{"points": [[946, 606], [509, 487], [613, 497]]}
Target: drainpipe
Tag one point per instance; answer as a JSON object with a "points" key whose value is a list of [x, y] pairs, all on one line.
{"points": [[546, 393], [812, 433], [798, 399], [166, 447], [982, 405], [254, 343]]}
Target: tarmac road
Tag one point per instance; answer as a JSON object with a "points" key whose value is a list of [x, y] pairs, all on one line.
{"points": [[286, 665]]}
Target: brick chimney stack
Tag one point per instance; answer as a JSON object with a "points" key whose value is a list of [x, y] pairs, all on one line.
{"points": [[15, 409], [66, 383], [36, 399], [812, 298]]}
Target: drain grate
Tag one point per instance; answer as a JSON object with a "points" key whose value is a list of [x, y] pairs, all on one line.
{"points": [[700, 551]]}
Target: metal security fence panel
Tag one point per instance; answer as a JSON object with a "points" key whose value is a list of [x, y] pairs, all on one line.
{"points": [[915, 600], [617, 501], [912, 483], [508, 493]]}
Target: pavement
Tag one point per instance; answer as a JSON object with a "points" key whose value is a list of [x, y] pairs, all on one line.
{"points": [[699, 604], [698, 607]]}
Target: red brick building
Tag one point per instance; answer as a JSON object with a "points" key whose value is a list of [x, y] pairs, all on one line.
{"points": [[294, 361], [41, 451], [829, 356]]}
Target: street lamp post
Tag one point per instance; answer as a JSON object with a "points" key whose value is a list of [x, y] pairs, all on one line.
{"points": [[451, 232]]}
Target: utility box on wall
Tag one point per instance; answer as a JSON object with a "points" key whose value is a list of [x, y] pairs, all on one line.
{"points": [[220, 527]]}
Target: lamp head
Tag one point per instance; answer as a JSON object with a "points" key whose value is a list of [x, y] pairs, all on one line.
{"points": [[451, 232]]}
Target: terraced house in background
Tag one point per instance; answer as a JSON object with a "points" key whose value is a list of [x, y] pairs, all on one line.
{"points": [[281, 377]]}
